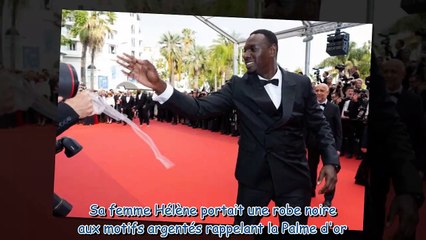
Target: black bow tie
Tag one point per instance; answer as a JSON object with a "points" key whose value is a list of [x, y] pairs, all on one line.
{"points": [[273, 81], [323, 105]]}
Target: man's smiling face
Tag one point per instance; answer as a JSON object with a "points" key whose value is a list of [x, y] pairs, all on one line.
{"points": [[259, 55]]}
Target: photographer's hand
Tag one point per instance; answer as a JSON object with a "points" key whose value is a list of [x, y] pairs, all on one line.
{"points": [[82, 104]]}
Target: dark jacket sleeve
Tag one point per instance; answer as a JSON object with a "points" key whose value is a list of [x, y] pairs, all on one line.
{"points": [[201, 108], [66, 118]]}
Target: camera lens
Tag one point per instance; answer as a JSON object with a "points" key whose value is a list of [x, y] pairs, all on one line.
{"points": [[61, 207]]}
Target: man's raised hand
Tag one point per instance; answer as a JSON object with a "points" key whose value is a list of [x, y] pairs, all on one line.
{"points": [[143, 71]]}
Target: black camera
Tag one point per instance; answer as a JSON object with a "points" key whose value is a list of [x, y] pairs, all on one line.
{"points": [[340, 67], [71, 146], [68, 87], [317, 75], [363, 95], [68, 81], [62, 207]]}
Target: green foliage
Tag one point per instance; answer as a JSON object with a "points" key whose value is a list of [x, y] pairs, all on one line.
{"points": [[91, 28], [357, 56], [171, 49]]}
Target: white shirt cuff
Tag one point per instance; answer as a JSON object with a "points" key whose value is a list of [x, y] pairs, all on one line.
{"points": [[163, 97]]}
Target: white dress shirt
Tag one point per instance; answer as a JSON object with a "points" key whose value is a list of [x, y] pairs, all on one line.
{"points": [[322, 107], [345, 108], [273, 91]]}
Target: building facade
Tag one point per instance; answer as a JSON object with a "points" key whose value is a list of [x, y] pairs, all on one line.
{"points": [[125, 37]]}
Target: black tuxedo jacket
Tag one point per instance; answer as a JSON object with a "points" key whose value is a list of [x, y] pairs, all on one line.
{"points": [[271, 154], [410, 109], [332, 114], [125, 104], [140, 101]]}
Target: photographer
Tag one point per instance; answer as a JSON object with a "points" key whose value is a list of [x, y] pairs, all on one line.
{"points": [[353, 107], [353, 72], [72, 103], [73, 109], [325, 77], [317, 76], [344, 79], [72, 106]]}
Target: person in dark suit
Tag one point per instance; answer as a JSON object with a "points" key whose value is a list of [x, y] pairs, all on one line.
{"points": [[409, 107], [274, 106], [390, 160], [140, 101], [332, 114], [127, 104]]}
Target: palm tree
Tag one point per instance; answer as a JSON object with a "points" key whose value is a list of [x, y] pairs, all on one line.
{"points": [[87, 28], [221, 57], [188, 42], [414, 24], [411, 23], [197, 62], [171, 50], [161, 66], [80, 29], [99, 27]]}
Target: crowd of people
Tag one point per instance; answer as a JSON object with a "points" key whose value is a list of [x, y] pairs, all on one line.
{"points": [[138, 105], [43, 83]]}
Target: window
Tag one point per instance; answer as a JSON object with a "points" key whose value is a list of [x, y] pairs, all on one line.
{"points": [[132, 29], [138, 17], [133, 42], [111, 49], [72, 46], [133, 53], [110, 35], [140, 43]]}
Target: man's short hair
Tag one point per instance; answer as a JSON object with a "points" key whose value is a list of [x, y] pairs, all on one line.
{"points": [[272, 38]]}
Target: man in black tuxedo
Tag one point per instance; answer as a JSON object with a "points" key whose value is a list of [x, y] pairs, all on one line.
{"points": [[409, 107], [140, 102], [332, 114], [127, 104], [390, 159], [274, 107]]}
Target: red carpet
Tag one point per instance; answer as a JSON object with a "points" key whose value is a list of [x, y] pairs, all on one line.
{"points": [[115, 166]]}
